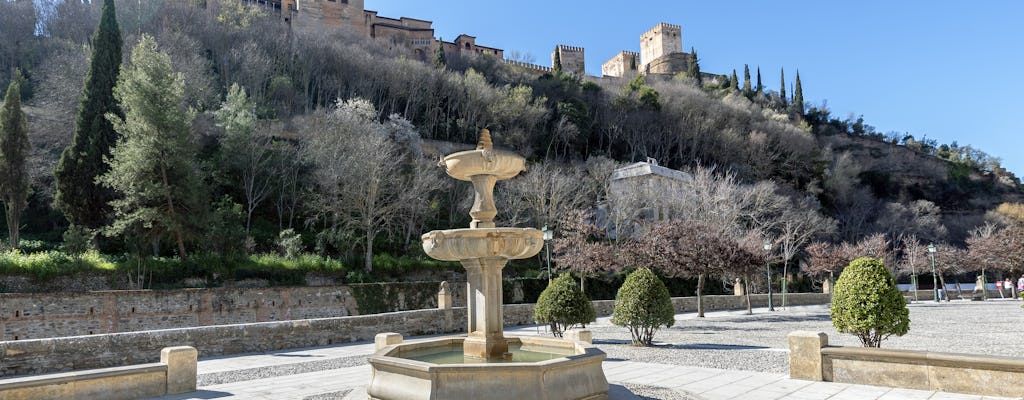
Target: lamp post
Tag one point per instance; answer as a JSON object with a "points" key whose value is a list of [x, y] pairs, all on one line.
{"points": [[768, 267], [548, 235], [935, 282]]}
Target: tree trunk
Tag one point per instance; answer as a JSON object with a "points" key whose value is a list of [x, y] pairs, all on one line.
{"points": [[170, 209], [746, 293], [942, 286], [700, 299], [368, 263]]}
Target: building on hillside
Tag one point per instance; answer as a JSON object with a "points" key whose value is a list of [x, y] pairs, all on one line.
{"points": [[417, 34], [661, 53], [642, 191], [623, 64], [571, 58]]}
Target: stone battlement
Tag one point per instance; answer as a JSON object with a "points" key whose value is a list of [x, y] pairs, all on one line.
{"points": [[526, 65], [661, 26], [574, 49]]}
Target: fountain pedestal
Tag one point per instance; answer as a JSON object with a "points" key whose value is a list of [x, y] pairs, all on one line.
{"points": [[483, 249], [486, 338]]}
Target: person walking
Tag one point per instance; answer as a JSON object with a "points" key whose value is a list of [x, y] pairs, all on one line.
{"points": [[1008, 285], [1020, 287]]}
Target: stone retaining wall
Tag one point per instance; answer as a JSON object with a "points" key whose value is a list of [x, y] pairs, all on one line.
{"points": [[42, 315], [811, 358], [107, 350]]}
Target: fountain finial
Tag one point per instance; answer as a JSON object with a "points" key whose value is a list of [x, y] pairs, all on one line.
{"points": [[485, 140]]}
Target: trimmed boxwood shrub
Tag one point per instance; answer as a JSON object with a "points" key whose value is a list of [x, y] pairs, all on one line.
{"points": [[867, 304], [563, 305], [643, 305]]}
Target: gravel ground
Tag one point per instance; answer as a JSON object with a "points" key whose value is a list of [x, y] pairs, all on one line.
{"points": [[758, 342]]}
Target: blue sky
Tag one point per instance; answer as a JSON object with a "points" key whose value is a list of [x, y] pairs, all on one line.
{"points": [[948, 70]]}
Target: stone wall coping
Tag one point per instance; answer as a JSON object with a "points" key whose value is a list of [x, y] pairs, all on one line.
{"points": [[61, 378], [915, 357]]}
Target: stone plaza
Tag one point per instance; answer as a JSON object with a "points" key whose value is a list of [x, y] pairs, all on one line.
{"points": [[727, 355]]}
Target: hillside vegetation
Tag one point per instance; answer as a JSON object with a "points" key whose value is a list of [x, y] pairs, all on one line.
{"points": [[338, 148]]}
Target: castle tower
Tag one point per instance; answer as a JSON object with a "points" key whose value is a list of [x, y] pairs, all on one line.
{"points": [[314, 15], [661, 40], [571, 58], [622, 64]]}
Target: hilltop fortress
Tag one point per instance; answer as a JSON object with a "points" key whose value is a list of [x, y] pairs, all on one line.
{"points": [[661, 47]]}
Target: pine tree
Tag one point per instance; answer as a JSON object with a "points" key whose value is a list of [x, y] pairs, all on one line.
{"points": [[746, 80], [734, 82], [798, 96], [782, 87], [556, 65], [153, 164], [760, 87], [693, 68], [79, 197], [440, 61], [14, 149]]}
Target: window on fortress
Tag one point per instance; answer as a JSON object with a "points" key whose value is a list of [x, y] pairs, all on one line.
{"points": [[467, 45]]}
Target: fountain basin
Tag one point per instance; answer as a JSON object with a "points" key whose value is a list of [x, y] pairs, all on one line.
{"points": [[575, 374], [469, 243], [465, 164]]}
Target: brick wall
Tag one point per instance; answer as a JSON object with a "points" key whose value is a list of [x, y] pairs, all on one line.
{"points": [[106, 350]]}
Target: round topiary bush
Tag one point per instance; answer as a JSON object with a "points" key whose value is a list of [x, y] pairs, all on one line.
{"points": [[643, 305], [563, 305], [867, 304]]}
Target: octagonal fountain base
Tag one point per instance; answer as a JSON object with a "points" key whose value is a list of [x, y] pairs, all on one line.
{"points": [[539, 368]]}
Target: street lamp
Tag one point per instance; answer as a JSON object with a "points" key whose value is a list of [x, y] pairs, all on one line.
{"points": [[768, 267], [935, 283], [548, 235]]}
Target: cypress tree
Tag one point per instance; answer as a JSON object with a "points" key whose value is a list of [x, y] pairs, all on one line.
{"points": [[14, 149], [782, 87], [556, 65], [746, 80], [693, 68], [79, 197], [760, 87], [632, 62], [439, 59], [798, 96], [735, 82]]}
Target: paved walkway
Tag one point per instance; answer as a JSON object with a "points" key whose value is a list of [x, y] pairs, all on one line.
{"points": [[340, 372]]}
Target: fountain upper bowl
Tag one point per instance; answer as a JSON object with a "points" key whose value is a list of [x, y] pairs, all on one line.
{"points": [[466, 164], [468, 243]]}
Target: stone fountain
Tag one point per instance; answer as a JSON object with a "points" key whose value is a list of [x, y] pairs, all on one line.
{"points": [[483, 365]]}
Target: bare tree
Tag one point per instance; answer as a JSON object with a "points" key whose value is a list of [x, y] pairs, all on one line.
{"points": [[360, 188], [797, 226]]}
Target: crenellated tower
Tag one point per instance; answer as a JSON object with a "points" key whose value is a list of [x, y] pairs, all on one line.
{"points": [[571, 58], [663, 39]]}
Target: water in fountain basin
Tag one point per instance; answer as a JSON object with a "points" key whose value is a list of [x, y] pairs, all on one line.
{"points": [[452, 354]]}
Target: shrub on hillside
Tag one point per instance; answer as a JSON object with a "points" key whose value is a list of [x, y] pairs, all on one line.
{"points": [[867, 304], [643, 305], [563, 305]]}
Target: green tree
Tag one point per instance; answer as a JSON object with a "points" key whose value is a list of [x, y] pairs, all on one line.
{"points": [[798, 96], [867, 304], [760, 87], [632, 63], [222, 235], [746, 81], [14, 149], [643, 305], [152, 166], [440, 61], [734, 83], [79, 197], [556, 65], [693, 68], [563, 305], [248, 156], [782, 87]]}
